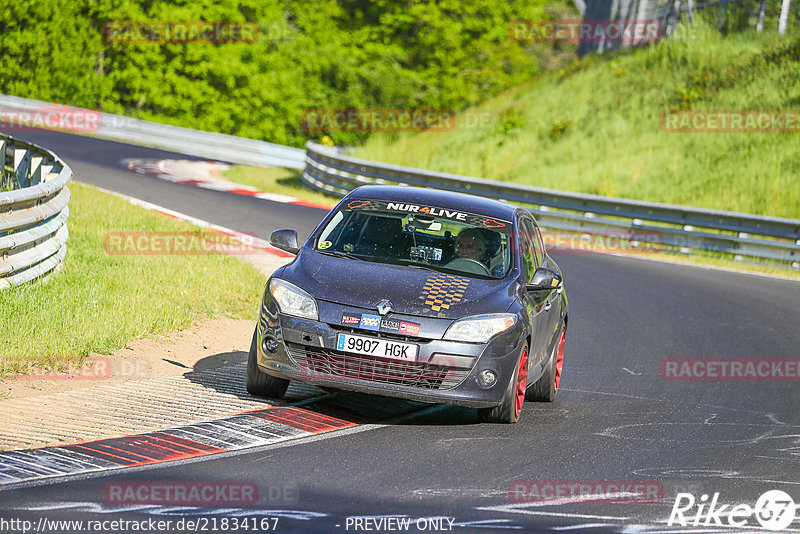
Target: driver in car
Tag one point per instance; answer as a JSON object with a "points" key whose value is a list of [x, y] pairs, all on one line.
{"points": [[471, 244], [476, 245]]}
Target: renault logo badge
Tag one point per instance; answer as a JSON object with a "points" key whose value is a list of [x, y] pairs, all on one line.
{"points": [[384, 307]]}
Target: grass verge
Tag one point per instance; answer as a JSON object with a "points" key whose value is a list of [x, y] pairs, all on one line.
{"points": [[99, 301], [595, 127], [6, 184]]}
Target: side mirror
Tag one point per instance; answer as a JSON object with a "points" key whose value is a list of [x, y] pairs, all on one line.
{"points": [[544, 280], [285, 240]]}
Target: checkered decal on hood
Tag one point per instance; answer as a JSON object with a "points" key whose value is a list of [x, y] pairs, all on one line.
{"points": [[443, 290]]}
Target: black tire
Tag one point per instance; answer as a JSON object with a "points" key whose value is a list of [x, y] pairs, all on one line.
{"points": [[260, 383], [546, 388], [508, 411]]}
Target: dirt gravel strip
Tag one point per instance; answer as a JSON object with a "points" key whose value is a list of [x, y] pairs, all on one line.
{"points": [[133, 406], [37, 413]]}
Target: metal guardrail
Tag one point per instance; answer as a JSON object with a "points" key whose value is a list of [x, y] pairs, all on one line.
{"points": [[183, 140], [679, 228], [33, 214], [684, 229]]}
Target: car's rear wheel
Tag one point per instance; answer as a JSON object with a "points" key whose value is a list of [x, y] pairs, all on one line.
{"points": [[510, 409], [260, 383], [546, 388]]}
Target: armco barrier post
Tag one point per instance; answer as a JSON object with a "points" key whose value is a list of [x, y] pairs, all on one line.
{"points": [[33, 214]]}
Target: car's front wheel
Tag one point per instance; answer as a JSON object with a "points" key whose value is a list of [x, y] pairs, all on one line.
{"points": [[260, 383], [510, 409], [546, 388]]}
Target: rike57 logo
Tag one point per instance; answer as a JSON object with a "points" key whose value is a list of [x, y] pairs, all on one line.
{"points": [[774, 510]]}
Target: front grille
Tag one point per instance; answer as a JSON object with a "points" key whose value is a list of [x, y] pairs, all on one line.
{"points": [[323, 363], [387, 335]]}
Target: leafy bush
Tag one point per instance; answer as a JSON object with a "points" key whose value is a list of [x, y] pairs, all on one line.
{"points": [[325, 54]]}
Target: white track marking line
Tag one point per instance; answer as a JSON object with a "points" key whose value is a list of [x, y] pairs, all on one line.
{"points": [[583, 526], [522, 509], [245, 239], [170, 510], [488, 523]]}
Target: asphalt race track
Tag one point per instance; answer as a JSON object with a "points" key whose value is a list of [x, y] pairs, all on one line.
{"points": [[97, 162], [615, 418]]}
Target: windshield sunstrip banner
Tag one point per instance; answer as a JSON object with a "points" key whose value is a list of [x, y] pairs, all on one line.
{"points": [[481, 221]]}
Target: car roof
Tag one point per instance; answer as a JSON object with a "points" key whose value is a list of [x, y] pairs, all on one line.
{"points": [[437, 198]]}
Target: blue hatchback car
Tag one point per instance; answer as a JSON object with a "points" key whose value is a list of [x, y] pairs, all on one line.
{"points": [[420, 294]]}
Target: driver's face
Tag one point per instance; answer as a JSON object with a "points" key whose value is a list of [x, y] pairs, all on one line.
{"points": [[468, 246]]}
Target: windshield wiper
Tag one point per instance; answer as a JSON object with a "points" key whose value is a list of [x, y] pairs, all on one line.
{"points": [[443, 269], [412, 263], [340, 254]]}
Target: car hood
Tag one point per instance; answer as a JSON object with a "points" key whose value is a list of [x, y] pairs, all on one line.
{"points": [[410, 290]]}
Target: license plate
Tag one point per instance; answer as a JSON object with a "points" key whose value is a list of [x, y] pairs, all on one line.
{"points": [[383, 348]]}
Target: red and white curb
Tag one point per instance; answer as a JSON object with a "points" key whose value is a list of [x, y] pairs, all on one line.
{"points": [[201, 174], [269, 426], [242, 431]]}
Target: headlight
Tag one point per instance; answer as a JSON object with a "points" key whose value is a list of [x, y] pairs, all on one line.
{"points": [[480, 328], [292, 300]]}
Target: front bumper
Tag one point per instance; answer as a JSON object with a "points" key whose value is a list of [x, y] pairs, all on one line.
{"points": [[445, 371]]}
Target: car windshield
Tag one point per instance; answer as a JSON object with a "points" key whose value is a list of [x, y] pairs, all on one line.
{"points": [[407, 234]]}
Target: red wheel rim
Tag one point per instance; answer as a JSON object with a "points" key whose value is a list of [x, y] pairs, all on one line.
{"points": [[522, 382], [560, 358]]}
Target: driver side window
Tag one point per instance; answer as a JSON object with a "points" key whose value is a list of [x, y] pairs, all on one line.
{"points": [[538, 245], [527, 248]]}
